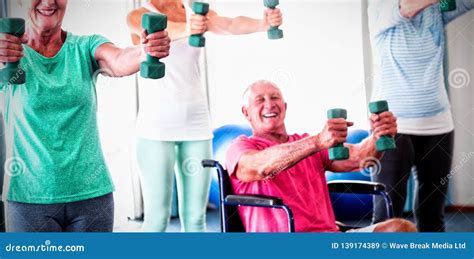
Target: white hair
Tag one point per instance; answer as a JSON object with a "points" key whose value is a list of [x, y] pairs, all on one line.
{"points": [[246, 94]]}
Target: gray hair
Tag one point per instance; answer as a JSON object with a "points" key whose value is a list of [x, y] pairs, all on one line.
{"points": [[246, 94]]}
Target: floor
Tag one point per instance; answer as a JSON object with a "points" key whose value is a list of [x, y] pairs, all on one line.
{"points": [[455, 222]]}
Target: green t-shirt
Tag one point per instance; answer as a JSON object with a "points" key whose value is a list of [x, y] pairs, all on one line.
{"points": [[53, 148]]}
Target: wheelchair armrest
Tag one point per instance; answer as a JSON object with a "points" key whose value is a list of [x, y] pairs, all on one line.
{"points": [[357, 187], [209, 163], [253, 200], [261, 201]]}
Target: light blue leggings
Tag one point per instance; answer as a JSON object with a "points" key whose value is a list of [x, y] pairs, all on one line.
{"points": [[159, 162]]}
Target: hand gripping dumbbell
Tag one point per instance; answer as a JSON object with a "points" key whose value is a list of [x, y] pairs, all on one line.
{"points": [[273, 33], [198, 40], [338, 152], [152, 67], [12, 72], [447, 5], [384, 143]]}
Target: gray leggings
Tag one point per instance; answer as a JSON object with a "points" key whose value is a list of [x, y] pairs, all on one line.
{"points": [[92, 215], [432, 157]]}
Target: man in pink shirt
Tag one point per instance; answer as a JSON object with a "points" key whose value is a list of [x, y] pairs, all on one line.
{"points": [[292, 167]]}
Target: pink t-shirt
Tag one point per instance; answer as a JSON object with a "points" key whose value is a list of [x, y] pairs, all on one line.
{"points": [[302, 187]]}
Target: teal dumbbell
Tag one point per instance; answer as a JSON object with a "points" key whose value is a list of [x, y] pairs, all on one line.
{"points": [[12, 72], [198, 40], [447, 5], [384, 143], [273, 33], [153, 68], [338, 152]]}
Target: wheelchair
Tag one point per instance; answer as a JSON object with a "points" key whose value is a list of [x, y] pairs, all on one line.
{"points": [[230, 218]]}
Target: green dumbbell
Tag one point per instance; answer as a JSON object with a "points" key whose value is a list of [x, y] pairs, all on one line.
{"points": [[384, 143], [152, 67], [447, 5], [197, 40], [12, 72], [338, 152], [273, 33]]}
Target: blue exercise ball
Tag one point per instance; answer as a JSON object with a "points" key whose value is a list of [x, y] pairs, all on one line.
{"points": [[356, 136], [351, 206], [223, 137]]}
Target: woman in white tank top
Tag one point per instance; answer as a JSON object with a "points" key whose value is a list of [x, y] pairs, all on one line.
{"points": [[173, 125]]}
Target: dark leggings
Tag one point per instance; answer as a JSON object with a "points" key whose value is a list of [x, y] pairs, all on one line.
{"points": [[432, 157], [92, 215]]}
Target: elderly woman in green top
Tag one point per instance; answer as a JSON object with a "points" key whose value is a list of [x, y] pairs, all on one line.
{"points": [[57, 178]]}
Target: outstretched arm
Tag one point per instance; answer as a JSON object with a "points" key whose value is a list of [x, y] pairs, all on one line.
{"points": [[118, 62], [235, 26], [134, 20], [383, 124], [462, 7], [258, 165], [410, 8], [387, 14]]}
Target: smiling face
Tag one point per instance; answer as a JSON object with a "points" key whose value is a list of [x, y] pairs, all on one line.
{"points": [[46, 15], [265, 108]]}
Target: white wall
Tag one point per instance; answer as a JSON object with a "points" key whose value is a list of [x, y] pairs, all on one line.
{"points": [[460, 39]]}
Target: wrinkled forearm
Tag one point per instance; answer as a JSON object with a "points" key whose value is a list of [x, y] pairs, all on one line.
{"points": [[357, 155], [367, 149], [272, 161]]}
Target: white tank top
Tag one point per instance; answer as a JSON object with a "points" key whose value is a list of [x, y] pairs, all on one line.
{"points": [[175, 108]]}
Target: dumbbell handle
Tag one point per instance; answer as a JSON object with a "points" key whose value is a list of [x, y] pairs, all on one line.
{"points": [[10, 65], [12, 71], [338, 151], [198, 40], [335, 114], [273, 32], [272, 27], [151, 59], [153, 68], [386, 142]]}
